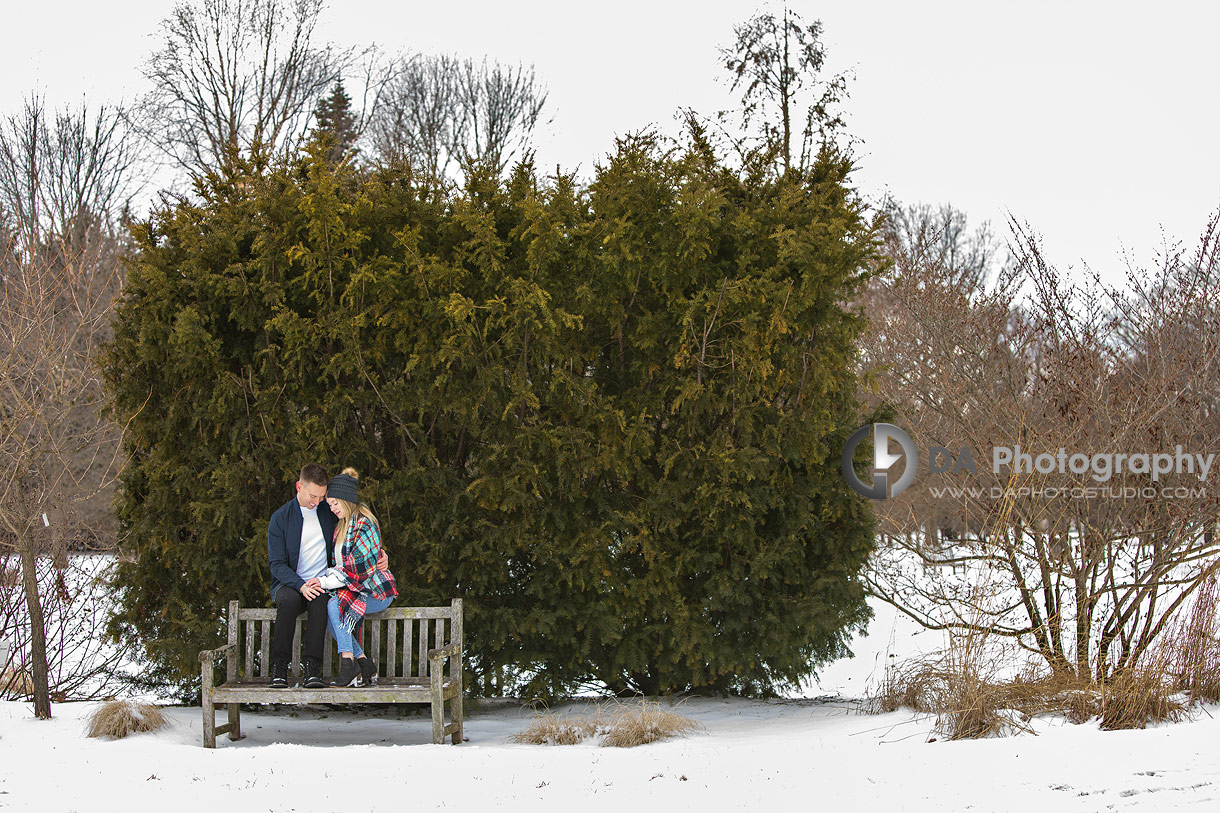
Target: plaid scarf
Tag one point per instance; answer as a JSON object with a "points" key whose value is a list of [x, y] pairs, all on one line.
{"points": [[361, 549]]}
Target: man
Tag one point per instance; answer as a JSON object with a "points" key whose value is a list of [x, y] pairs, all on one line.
{"points": [[299, 548]]}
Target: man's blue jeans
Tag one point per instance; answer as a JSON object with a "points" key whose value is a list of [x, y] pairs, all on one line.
{"points": [[346, 641]]}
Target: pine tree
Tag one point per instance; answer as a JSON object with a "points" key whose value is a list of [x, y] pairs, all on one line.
{"points": [[335, 123]]}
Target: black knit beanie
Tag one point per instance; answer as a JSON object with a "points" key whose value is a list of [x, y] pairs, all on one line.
{"points": [[343, 487]]}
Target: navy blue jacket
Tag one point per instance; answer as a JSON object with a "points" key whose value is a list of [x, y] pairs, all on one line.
{"points": [[284, 542]]}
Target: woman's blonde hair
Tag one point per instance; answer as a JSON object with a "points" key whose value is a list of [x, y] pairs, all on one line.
{"points": [[353, 510]]}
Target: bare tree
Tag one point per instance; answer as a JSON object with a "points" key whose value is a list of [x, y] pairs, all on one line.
{"points": [[939, 240], [63, 181], [778, 62], [1083, 567], [236, 81], [439, 113], [501, 106], [417, 121]]}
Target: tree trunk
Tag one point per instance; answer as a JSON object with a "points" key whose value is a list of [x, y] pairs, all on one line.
{"points": [[38, 635]]}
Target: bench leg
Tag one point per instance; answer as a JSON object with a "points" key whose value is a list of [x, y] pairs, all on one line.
{"points": [[455, 716], [234, 722], [438, 708], [209, 722]]}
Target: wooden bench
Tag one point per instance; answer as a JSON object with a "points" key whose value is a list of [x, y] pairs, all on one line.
{"points": [[409, 644]]}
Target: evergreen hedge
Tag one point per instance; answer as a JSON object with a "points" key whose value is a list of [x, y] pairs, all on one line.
{"points": [[608, 418]]}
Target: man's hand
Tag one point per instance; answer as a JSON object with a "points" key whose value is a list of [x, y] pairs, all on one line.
{"points": [[312, 589], [383, 562]]}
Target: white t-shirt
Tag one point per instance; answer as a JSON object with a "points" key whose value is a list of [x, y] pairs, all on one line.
{"points": [[312, 560], [334, 578]]}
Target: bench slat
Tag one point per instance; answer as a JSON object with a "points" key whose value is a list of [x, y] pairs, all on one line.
{"points": [[265, 631], [234, 630], [423, 648], [408, 639], [248, 671], [391, 644]]}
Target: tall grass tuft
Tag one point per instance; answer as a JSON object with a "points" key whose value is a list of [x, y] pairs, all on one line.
{"points": [[626, 726], [1141, 695], [118, 718], [1194, 647], [630, 726], [550, 728], [958, 685]]}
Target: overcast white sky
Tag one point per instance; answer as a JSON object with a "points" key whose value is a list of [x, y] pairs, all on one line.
{"points": [[1094, 121]]}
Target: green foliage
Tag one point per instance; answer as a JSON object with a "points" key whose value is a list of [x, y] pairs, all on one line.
{"points": [[608, 419]]}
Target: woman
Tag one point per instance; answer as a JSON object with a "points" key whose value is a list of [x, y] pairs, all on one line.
{"points": [[356, 586]]}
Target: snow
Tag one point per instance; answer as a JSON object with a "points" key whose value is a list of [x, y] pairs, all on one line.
{"points": [[821, 754]]}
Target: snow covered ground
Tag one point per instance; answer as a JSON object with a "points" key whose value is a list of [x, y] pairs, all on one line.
{"points": [[818, 755], [814, 754]]}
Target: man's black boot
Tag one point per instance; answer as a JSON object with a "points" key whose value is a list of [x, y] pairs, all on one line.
{"points": [[313, 674], [279, 675], [349, 672]]}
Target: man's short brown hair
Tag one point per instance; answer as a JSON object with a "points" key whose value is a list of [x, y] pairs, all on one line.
{"points": [[314, 473]]}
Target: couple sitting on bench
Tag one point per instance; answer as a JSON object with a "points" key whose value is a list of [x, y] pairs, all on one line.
{"points": [[324, 548]]}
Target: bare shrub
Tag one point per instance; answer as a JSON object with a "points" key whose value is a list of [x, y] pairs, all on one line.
{"points": [[65, 179], [82, 663], [1082, 570], [118, 718]]}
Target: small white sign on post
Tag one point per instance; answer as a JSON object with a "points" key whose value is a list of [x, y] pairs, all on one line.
{"points": [[4, 647]]}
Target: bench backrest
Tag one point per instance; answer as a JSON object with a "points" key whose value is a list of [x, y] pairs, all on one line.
{"points": [[398, 638]]}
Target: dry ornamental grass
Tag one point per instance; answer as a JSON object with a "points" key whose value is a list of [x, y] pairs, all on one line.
{"points": [[15, 683], [550, 728], [629, 727], [963, 687], [625, 727], [1140, 696], [118, 718], [1193, 656]]}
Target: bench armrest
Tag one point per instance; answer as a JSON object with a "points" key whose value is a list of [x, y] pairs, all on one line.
{"points": [[447, 651], [210, 655]]}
